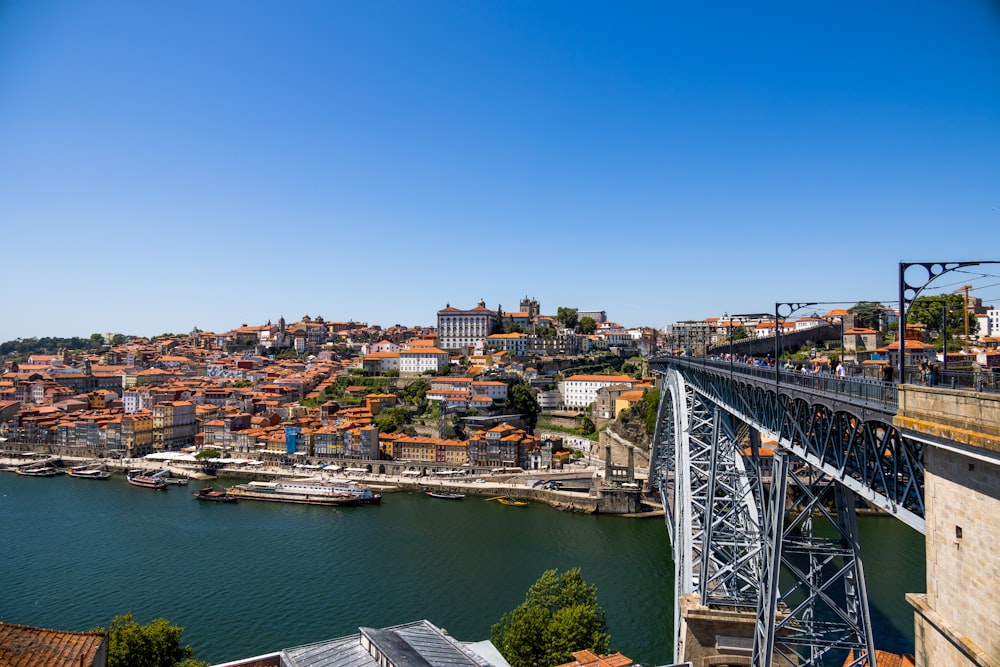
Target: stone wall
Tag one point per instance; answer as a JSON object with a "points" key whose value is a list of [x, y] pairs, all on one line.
{"points": [[960, 614], [957, 621]]}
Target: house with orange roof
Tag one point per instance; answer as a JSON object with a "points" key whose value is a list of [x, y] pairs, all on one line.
{"points": [[426, 449], [587, 658], [501, 446], [514, 343], [26, 646], [380, 362], [861, 342]]}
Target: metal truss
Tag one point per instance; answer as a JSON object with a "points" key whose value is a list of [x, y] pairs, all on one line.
{"points": [[733, 537], [712, 498], [733, 550], [852, 443], [820, 614]]}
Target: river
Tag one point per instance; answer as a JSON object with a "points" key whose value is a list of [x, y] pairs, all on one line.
{"points": [[252, 578]]}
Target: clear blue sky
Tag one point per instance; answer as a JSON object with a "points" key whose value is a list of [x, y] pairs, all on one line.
{"points": [[165, 165]]}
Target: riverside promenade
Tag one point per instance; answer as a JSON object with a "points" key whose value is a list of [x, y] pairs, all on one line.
{"points": [[524, 485]]}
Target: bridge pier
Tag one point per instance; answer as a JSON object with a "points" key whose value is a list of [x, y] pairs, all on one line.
{"points": [[957, 621], [712, 636]]}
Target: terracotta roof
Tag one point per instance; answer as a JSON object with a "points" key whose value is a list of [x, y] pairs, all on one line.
{"points": [[25, 646]]}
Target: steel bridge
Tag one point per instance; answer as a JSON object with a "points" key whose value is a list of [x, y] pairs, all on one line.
{"points": [[758, 469]]}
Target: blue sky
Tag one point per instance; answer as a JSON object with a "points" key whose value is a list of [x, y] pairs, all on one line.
{"points": [[165, 165]]}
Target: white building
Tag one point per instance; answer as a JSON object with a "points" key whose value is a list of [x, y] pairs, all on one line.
{"points": [[419, 359], [579, 391], [461, 329], [514, 343]]}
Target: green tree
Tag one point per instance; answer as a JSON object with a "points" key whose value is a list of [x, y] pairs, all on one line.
{"points": [[559, 615], [926, 310], [587, 425], [96, 340], [867, 314], [207, 454], [739, 332], [391, 420], [521, 400], [157, 644], [566, 317], [118, 339], [650, 405], [587, 326]]}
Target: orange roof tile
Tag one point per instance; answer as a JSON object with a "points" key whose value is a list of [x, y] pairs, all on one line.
{"points": [[26, 646]]}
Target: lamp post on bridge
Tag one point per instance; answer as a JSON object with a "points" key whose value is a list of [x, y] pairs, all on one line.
{"points": [[908, 293]]}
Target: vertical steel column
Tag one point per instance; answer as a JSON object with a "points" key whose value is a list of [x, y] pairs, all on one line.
{"points": [[767, 608]]}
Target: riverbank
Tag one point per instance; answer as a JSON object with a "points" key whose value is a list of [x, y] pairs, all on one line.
{"points": [[511, 485]]}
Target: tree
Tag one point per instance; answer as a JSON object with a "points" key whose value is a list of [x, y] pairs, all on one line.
{"points": [[559, 615], [926, 310], [391, 420], [567, 317], [650, 405], [867, 314], [207, 454], [587, 425], [587, 325], [96, 340], [739, 332], [118, 339], [522, 401], [157, 644]]}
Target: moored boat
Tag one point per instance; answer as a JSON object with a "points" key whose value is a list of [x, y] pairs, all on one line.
{"points": [[137, 478], [444, 496], [89, 473], [209, 494], [39, 471], [295, 491], [362, 492], [507, 500]]}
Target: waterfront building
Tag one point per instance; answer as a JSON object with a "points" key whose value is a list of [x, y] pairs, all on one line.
{"points": [[424, 449], [502, 446], [174, 424]]}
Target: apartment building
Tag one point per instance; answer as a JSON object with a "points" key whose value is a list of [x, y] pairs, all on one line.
{"points": [[579, 391]]}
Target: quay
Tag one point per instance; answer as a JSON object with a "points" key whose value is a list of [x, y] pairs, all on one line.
{"points": [[527, 486]]}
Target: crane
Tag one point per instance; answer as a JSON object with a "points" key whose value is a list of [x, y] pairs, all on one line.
{"points": [[965, 316]]}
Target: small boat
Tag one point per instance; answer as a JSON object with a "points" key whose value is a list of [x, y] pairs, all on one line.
{"points": [[89, 473], [445, 496], [173, 481], [137, 478], [39, 471], [209, 494], [507, 500]]}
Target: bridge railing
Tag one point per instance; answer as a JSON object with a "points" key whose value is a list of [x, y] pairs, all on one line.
{"points": [[860, 389], [976, 380]]}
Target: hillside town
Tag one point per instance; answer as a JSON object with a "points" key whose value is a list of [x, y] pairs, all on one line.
{"points": [[466, 392], [317, 389]]}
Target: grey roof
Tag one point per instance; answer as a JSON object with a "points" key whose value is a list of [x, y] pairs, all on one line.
{"points": [[417, 644]]}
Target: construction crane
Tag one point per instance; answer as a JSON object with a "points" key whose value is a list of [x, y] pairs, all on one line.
{"points": [[965, 316]]}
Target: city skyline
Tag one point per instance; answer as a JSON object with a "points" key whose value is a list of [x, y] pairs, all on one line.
{"points": [[167, 166]]}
